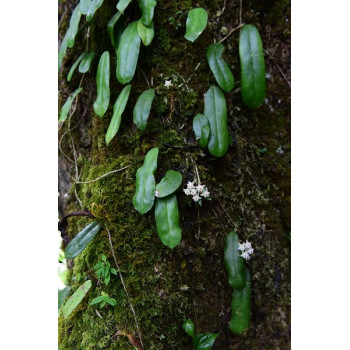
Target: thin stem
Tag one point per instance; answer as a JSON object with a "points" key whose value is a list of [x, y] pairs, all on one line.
{"points": [[279, 68], [124, 286], [240, 12], [234, 29], [102, 176]]}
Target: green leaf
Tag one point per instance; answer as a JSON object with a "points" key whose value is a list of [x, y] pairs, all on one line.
{"points": [[62, 295], [204, 341], [215, 111], [74, 26], [219, 67], [85, 64], [111, 301], [114, 271], [145, 183], [122, 5], [68, 105], [75, 65], [97, 300], [146, 33], [118, 110], [95, 5], [128, 53], [103, 257], [201, 129], [253, 83], [169, 184], [63, 49], [76, 298], [241, 307], [168, 221], [85, 5], [234, 263], [147, 8], [142, 108], [107, 278], [102, 81], [195, 24], [103, 303], [114, 29], [188, 327], [81, 240]]}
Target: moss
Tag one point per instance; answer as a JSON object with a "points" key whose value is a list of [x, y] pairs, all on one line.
{"points": [[250, 190]]}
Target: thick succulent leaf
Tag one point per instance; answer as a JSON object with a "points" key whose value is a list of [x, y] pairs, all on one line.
{"points": [[63, 49], [195, 24], [253, 83], [76, 298], [85, 5], [102, 81], [215, 111], [114, 27], [62, 295], [188, 327], [219, 67], [118, 110], [68, 105], [145, 183], [241, 307], [234, 263], [142, 108], [74, 26], [75, 65], [169, 184], [128, 53], [147, 8], [81, 240], [201, 129], [146, 33], [168, 221], [95, 5], [122, 5], [85, 63], [204, 341]]}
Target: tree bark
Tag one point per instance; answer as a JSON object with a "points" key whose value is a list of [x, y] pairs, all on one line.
{"points": [[249, 186]]}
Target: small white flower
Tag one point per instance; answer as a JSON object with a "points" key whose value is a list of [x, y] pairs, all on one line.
{"points": [[246, 249], [168, 83], [190, 185], [205, 193], [193, 191], [196, 197], [156, 193], [187, 191], [200, 188]]}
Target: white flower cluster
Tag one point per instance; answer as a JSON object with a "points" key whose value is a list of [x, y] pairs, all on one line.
{"points": [[196, 191], [246, 249]]}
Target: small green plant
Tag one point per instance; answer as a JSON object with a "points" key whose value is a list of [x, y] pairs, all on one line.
{"points": [[103, 300], [200, 341], [103, 270]]}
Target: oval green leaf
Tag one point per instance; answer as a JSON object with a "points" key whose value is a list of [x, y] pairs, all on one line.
{"points": [[81, 240], [195, 24], [68, 105], [168, 221], [188, 327], [118, 110], [122, 5], [241, 307], [147, 8], [234, 263], [102, 81], [114, 27], [219, 67], [169, 184], [63, 49], [215, 111], [253, 83], [146, 33], [85, 63], [128, 53], [145, 183], [95, 5], [76, 298], [142, 108], [201, 129], [75, 65], [204, 341], [62, 295], [74, 26], [85, 5]]}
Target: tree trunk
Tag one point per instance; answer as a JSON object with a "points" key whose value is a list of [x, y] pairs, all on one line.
{"points": [[249, 186]]}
